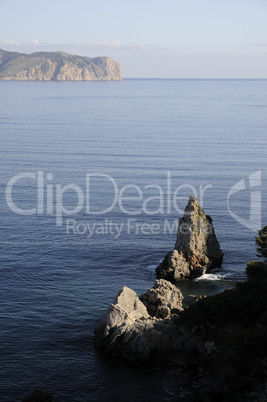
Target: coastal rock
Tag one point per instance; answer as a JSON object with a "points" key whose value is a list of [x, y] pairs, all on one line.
{"points": [[125, 310], [256, 271], [196, 250], [129, 331], [163, 299], [174, 267], [219, 341], [261, 241], [57, 66]]}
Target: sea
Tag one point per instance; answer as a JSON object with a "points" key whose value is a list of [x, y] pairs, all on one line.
{"points": [[94, 178]]}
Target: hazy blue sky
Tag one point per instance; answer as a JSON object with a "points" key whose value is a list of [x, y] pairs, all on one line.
{"points": [[171, 38]]}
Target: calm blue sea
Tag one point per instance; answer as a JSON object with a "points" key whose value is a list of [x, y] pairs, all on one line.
{"points": [[94, 176]]}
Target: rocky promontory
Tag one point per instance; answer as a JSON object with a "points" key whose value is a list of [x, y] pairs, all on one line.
{"points": [[57, 66], [196, 250], [137, 330], [219, 342]]}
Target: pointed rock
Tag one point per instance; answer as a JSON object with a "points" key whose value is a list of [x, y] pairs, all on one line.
{"points": [[125, 309], [196, 250]]}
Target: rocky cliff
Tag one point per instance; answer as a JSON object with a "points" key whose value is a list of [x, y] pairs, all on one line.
{"points": [[57, 66], [196, 250]]}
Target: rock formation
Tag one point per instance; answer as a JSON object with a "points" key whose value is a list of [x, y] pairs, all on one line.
{"points": [[131, 332], [57, 66], [219, 341], [163, 299], [196, 250]]}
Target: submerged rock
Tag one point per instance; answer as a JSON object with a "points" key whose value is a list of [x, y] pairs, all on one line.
{"points": [[196, 250]]}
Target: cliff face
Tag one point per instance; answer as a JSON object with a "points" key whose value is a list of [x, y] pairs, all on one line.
{"points": [[57, 66]]}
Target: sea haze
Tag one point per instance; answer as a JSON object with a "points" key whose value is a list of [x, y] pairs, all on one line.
{"points": [[166, 139]]}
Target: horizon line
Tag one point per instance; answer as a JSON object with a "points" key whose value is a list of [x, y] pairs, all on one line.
{"points": [[188, 78]]}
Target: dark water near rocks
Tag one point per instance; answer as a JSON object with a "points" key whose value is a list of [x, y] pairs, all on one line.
{"points": [[162, 139]]}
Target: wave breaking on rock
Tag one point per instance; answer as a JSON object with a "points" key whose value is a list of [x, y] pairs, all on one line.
{"points": [[196, 250]]}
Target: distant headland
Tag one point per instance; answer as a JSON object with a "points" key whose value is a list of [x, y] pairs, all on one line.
{"points": [[57, 66]]}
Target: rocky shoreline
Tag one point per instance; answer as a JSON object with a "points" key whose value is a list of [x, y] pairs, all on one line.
{"points": [[220, 341]]}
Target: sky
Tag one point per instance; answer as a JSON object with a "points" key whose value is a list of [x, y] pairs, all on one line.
{"points": [[150, 39]]}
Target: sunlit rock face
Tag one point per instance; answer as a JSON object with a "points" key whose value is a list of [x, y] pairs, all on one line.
{"points": [[196, 250], [57, 66]]}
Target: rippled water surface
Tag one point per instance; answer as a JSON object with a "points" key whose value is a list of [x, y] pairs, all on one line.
{"points": [[61, 267]]}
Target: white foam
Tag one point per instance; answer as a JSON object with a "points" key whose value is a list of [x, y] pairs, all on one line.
{"points": [[151, 268], [211, 277]]}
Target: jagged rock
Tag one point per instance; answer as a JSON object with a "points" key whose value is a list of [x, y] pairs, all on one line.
{"points": [[196, 250], [57, 66], [174, 267], [163, 299], [218, 341], [129, 331], [125, 310]]}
